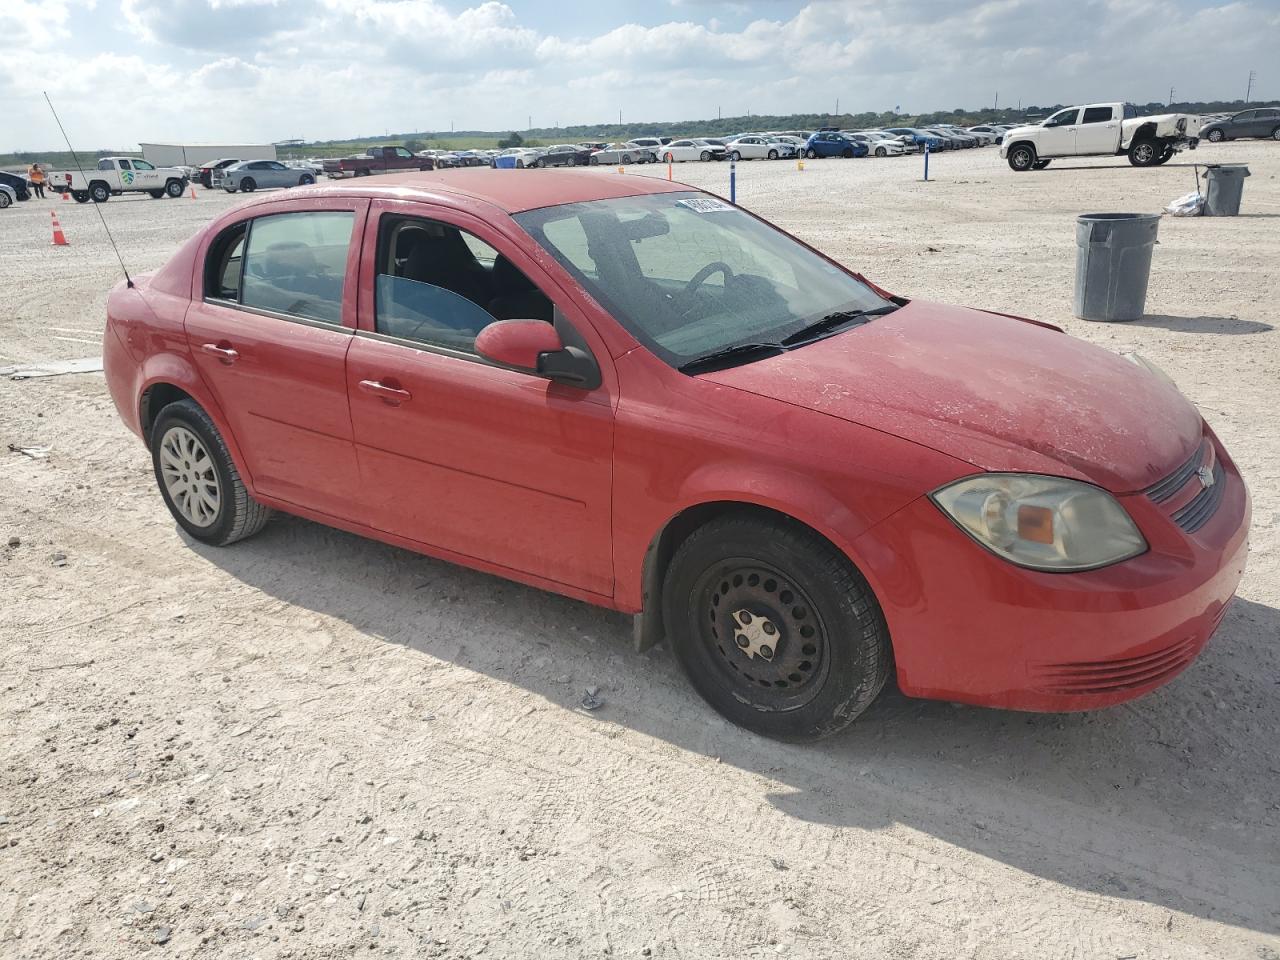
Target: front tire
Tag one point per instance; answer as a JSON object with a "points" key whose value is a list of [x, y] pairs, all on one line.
{"points": [[173, 188], [594, 161], [1275, 134], [704, 156], [1041, 164], [881, 152], [775, 628], [811, 154], [1022, 158], [773, 154], [306, 180], [735, 156], [1217, 136], [198, 479], [1145, 152]]}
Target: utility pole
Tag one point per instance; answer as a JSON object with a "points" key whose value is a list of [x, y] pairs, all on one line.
{"points": [[530, 127], [837, 113], [1171, 96], [619, 116], [996, 105], [1253, 75]]}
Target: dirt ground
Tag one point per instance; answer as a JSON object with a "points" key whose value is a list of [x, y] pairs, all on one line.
{"points": [[310, 745]]}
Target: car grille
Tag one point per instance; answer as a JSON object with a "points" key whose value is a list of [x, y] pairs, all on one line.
{"points": [[1113, 676], [1203, 469]]}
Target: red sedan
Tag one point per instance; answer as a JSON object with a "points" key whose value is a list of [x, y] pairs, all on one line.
{"points": [[633, 393]]}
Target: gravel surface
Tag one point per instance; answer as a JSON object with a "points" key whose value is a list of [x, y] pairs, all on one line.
{"points": [[311, 744]]}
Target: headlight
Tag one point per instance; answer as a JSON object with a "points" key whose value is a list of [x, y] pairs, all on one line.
{"points": [[1141, 361], [1045, 523]]}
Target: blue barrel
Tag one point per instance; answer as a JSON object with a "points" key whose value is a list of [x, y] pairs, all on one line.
{"points": [[504, 163]]}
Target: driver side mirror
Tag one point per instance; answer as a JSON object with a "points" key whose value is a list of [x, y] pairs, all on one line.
{"points": [[535, 347]]}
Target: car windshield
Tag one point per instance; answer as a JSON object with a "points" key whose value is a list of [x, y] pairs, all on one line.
{"points": [[690, 275]]}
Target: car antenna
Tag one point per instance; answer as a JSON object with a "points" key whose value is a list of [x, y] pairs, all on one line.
{"points": [[97, 206]]}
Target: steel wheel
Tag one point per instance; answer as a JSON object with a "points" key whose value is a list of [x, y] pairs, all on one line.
{"points": [[768, 640], [189, 476]]}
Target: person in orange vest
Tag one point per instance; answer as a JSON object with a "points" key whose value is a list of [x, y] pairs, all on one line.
{"points": [[36, 176]]}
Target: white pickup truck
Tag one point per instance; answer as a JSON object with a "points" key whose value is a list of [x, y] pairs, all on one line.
{"points": [[117, 175], [1101, 130]]}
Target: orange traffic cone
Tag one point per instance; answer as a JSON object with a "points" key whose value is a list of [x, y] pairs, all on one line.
{"points": [[59, 238], [66, 195], [193, 192]]}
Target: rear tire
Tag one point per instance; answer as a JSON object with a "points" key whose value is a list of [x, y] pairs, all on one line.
{"points": [[846, 153], [831, 657], [80, 196], [99, 192], [1145, 152], [1275, 134], [306, 180], [626, 158], [735, 156], [594, 161], [248, 185], [156, 194], [198, 479], [4, 200], [1166, 156]]}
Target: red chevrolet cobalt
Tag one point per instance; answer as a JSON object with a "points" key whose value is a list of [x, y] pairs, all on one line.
{"points": [[633, 393]]}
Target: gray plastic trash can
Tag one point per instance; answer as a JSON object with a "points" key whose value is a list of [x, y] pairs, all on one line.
{"points": [[1113, 261], [1224, 185]]}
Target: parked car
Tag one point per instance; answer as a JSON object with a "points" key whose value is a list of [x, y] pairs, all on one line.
{"points": [[789, 146], [653, 144], [578, 402], [16, 183], [953, 140], [755, 147], [8, 195], [205, 170], [1261, 122], [680, 151], [828, 143], [995, 133], [260, 175], [114, 176], [563, 155], [878, 145], [620, 153], [1099, 130], [919, 137], [907, 141], [377, 160], [524, 156]]}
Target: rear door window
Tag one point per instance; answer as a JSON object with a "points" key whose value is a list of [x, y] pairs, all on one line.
{"points": [[295, 264], [1097, 114]]}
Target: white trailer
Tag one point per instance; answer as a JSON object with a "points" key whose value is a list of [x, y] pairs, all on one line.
{"points": [[195, 154]]}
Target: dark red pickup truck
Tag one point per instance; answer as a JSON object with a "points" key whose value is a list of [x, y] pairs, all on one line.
{"points": [[377, 160]]}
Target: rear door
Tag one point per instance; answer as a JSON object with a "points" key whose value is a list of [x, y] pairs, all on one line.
{"points": [[1098, 131], [484, 462], [270, 324], [1266, 123]]}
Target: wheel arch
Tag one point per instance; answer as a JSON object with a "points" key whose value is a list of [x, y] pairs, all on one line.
{"points": [[1021, 143], [648, 627], [1143, 132], [168, 379]]}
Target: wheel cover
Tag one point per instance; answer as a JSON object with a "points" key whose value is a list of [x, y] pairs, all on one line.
{"points": [[189, 476], [762, 633]]}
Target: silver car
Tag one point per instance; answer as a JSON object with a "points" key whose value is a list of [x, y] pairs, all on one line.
{"points": [[251, 175], [622, 153]]}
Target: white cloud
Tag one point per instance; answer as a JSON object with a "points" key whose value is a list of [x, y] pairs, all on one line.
{"points": [[329, 68]]}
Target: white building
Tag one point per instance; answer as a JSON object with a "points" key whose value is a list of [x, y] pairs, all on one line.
{"points": [[194, 154]]}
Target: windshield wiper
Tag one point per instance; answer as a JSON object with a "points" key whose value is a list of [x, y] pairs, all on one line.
{"points": [[731, 356], [833, 320]]}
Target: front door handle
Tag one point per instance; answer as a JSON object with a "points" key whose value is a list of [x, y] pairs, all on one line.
{"points": [[390, 394], [225, 353]]}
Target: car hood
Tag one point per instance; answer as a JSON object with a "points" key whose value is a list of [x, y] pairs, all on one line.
{"points": [[997, 392]]}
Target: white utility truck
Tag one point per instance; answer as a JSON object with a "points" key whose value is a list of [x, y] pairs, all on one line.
{"points": [[1101, 130], [116, 175]]}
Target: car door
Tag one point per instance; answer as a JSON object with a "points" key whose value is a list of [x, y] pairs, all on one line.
{"points": [[276, 174], [1098, 131], [1266, 123], [1241, 125], [146, 177], [272, 317], [455, 452], [1058, 134]]}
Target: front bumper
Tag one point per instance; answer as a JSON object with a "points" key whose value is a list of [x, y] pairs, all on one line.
{"points": [[969, 627]]}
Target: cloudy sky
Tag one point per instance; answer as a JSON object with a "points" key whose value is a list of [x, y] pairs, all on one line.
{"points": [[121, 71]]}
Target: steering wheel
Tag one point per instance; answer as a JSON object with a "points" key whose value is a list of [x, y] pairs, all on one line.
{"points": [[699, 278]]}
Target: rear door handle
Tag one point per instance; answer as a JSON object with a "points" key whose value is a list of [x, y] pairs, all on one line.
{"points": [[226, 354], [392, 395]]}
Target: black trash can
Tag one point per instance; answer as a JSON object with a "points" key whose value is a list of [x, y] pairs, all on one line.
{"points": [[1113, 262], [1224, 183]]}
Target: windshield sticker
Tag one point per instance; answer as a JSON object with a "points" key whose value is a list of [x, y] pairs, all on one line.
{"points": [[705, 205]]}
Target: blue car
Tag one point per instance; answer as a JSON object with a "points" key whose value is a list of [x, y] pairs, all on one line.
{"points": [[832, 144], [922, 138]]}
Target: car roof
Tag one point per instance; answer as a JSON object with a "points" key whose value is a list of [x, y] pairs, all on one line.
{"points": [[510, 190]]}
